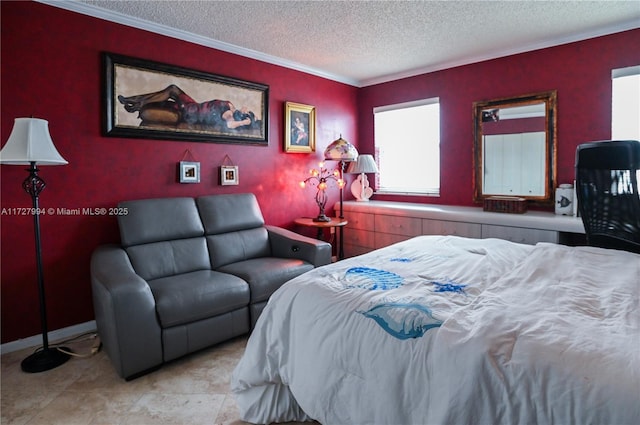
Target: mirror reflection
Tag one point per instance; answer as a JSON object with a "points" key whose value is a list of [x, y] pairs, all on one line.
{"points": [[515, 147]]}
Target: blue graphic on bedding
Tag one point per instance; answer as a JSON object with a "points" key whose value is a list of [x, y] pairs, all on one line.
{"points": [[450, 286], [372, 279], [403, 321], [401, 260]]}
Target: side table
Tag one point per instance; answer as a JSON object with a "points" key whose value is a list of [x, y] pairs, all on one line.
{"points": [[321, 225]]}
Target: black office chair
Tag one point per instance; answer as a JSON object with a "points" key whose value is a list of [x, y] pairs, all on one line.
{"points": [[607, 175]]}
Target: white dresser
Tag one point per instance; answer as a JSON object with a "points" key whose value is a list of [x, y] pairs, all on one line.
{"points": [[376, 224]]}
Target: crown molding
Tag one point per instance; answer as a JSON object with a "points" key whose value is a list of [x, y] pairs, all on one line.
{"points": [[119, 18], [544, 44]]}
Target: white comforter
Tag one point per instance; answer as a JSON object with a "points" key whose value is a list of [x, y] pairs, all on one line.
{"points": [[442, 330]]}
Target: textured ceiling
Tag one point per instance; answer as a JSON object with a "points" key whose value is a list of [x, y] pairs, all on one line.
{"points": [[365, 42]]}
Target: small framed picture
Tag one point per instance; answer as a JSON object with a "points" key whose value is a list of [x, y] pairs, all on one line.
{"points": [[300, 128], [189, 172], [229, 175]]}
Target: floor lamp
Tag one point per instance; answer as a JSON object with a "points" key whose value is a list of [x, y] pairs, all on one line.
{"points": [[343, 151], [30, 144]]}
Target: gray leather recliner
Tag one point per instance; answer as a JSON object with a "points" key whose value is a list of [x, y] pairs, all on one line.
{"points": [[190, 273]]}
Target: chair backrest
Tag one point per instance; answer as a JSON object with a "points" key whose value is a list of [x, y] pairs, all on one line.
{"points": [[234, 228], [607, 174], [163, 237]]}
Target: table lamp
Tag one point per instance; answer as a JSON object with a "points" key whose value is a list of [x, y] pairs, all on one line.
{"points": [[360, 187]]}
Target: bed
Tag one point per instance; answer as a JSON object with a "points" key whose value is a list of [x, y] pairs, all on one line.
{"points": [[449, 330]]}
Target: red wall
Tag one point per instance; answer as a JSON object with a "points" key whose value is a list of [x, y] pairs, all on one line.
{"points": [[51, 69], [580, 72]]}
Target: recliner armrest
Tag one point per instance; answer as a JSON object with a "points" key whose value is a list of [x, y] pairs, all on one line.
{"points": [[288, 244], [125, 313]]}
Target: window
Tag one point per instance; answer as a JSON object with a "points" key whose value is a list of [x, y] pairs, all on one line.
{"points": [[625, 113], [407, 144]]}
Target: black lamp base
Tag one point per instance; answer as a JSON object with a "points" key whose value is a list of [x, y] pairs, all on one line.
{"points": [[322, 219], [44, 360]]}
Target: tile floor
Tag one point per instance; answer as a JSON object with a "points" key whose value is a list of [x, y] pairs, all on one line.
{"points": [[192, 390]]}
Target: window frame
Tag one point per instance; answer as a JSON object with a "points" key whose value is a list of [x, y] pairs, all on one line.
{"points": [[618, 124], [429, 192]]}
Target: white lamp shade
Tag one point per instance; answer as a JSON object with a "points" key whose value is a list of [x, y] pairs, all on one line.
{"points": [[340, 150], [364, 164], [29, 142]]}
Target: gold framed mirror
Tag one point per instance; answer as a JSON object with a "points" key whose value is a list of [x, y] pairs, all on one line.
{"points": [[515, 147]]}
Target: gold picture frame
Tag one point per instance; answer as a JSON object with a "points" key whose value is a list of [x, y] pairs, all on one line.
{"points": [[300, 128]]}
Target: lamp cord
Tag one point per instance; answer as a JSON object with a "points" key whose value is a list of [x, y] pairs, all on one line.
{"points": [[60, 345]]}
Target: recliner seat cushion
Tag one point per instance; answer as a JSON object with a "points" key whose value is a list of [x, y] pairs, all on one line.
{"points": [[265, 275], [189, 297]]}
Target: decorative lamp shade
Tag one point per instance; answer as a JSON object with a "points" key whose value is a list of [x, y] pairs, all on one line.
{"points": [[360, 186], [29, 142], [341, 150], [364, 164]]}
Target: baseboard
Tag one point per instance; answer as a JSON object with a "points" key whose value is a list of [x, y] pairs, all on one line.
{"points": [[57, 335]]}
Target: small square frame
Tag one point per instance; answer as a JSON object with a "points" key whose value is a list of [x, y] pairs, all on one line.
{"points": [[189, 172], [300, 128], [229, 175]]}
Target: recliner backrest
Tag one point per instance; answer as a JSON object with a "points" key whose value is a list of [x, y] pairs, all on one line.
{"points": [[607, 174], [163, 237], [234, 228]]}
